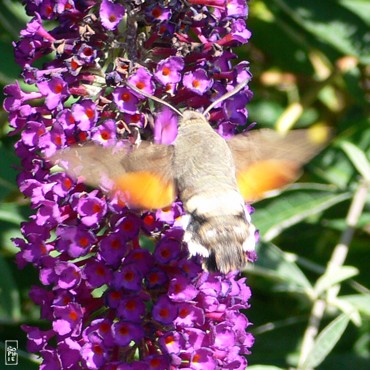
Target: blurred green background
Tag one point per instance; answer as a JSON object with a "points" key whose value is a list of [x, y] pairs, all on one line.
{"points": [[311, 66]]}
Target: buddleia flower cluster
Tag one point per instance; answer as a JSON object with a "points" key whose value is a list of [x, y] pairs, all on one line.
{"points": [[117, 286]]}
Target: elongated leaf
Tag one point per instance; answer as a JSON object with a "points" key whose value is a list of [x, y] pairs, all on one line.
{"points": [[326, 341], [9, 212], [331, 23], [360, 301], [9, 297], [349, 309], [334, 277], [293, 206], [358, 159], [275, 264], [340, 224], [360, 7]]}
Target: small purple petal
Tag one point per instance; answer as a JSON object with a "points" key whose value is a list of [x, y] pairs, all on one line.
{"points": [[165, 127]]}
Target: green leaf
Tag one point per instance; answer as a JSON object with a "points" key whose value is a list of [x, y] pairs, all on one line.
{"points": [[275, 264], [331, 23], [8, 174], [341, 224], [348, 309], [358, 159], [360, 7], [326, 341], [360, 301], [10, 308], [292, 206], [333, 277], [9, 212]]}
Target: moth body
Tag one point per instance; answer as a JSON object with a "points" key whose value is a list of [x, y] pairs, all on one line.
{"points": [[217, 225]]}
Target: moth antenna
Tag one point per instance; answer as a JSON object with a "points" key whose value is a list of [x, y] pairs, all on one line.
{"points": [[226, 96], [158, 100]]}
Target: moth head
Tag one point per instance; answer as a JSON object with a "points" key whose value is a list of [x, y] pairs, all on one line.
{"points": [[188, 116], [191, 117]]}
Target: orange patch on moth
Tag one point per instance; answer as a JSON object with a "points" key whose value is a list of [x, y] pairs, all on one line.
{"points": [[144, 190], [264, 176]]}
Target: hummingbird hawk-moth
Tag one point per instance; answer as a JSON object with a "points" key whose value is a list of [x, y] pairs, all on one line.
{"points": [[213, 178]]}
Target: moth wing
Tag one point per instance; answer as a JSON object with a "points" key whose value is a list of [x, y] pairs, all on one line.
{"points": [[266, 160], [142, 177]]}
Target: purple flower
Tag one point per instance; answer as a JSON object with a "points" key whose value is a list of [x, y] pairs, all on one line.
{"points": [[197, 81], [68, 320], [55, 91], [93, 355], [142, 79], [125, 332], [164, 311], [131, 308], [16, 97], [96, 273], [165, 127], [105, 134], [168, 70], [119, 290], [85, 114], [158, 13], [125, 100], [203, 358], [180, 290], [90, 208], [111, 14], [237, 8]]}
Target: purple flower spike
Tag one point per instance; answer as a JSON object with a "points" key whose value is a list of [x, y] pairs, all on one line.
{"points": [[117, 288]]}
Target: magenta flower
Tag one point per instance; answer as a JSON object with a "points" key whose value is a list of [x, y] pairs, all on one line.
{"points": [[54, 90], [165, 127], [111, 14], [125, 100], [197, 81], [168, 70], [117, 285]]}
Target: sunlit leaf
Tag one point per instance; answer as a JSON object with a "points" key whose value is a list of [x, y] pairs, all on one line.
{"points": [[326, 341], [273, 263], [358, 159], [9, 212], [349, 309], [332, 23], [333, 277], [360, 7], [9, 296], [360, 301], [292, 207]]}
